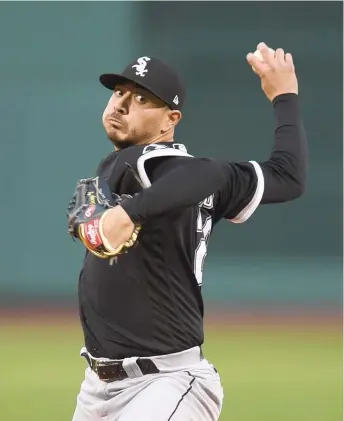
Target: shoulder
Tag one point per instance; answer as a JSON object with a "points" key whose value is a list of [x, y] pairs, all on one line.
{"points": [[158, 154], [145, 162], [162, 150]]}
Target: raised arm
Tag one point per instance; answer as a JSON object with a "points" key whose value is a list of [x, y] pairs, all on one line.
{"points": [[279, 179], [240, 186]]}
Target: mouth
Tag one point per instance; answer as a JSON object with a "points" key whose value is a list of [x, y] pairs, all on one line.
{"points": [[115, 122]]}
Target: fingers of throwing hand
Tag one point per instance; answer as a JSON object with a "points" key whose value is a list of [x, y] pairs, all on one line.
{"points": [[280, 57], [289, 60], [257, 65], [267, 53]]}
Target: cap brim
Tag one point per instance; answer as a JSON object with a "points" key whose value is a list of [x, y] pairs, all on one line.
{"points": [[110, 80]]}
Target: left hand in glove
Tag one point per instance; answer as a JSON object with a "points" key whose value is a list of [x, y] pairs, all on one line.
{"points": [[91, 204]]}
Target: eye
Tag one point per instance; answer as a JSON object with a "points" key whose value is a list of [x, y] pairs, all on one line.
{"points": [[118, 92], [141, 99]]}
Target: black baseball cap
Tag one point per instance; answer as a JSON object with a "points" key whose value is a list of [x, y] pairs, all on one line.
{"points": [[155, 76]]}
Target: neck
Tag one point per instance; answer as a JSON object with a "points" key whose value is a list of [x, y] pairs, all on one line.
{"points": [[157, 139], [161, 137]]}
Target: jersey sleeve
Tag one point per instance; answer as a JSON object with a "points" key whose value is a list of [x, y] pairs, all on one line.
{"points": [[242, 193]]}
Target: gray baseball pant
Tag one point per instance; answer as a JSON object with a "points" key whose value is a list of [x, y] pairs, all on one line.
{"points": [[186, 389]]}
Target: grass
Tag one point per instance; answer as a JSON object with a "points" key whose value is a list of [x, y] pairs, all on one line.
{"points": [[269, 374]]}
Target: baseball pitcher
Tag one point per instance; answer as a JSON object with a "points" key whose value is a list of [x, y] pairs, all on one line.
{"points": [[145, 218]]}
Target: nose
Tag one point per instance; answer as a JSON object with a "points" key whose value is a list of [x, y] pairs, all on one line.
{"points": [[122, 104]]}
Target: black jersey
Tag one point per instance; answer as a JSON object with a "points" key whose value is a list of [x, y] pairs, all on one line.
{"points": [[148, 301]]}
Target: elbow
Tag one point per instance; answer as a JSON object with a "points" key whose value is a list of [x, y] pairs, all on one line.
{"points": [[293, 177], [299, 190], [295, 189], [300, 183], [283, 182], [291, 188]]}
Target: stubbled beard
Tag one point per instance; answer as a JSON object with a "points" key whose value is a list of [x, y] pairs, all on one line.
{"points": [[122, 144], [136, 139], [126, 143]]}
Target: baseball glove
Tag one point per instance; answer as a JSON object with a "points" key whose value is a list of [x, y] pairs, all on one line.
{"points": [[92, 198]]}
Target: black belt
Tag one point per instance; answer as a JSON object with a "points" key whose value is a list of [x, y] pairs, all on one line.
{"points": [[111, 371]]}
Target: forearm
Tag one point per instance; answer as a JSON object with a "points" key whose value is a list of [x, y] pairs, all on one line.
{"points": [[285, 171]]}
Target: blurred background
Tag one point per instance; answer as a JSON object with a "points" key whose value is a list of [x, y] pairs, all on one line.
{"points": [[272, 286]]}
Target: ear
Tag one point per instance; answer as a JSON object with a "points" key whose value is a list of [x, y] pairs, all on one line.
{"points": [[172, 118]]}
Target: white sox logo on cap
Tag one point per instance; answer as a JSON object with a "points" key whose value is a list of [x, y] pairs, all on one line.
{"points": [[141, 66]]}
